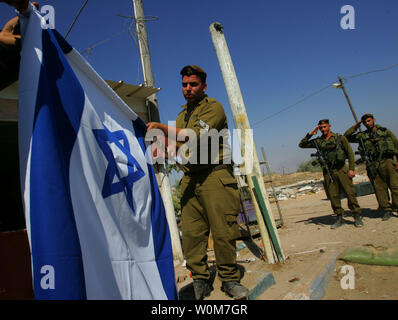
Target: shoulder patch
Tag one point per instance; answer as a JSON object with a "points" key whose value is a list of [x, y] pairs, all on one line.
{"points": [[211, 100]]}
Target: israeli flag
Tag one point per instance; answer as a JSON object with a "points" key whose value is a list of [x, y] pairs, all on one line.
{"points": [[95, 219]]}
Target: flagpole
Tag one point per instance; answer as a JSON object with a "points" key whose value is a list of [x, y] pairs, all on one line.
{"points": [[153, 115]]}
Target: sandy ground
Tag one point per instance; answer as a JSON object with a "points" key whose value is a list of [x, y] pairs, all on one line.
{"points": [[307, 227], [306, 237]]}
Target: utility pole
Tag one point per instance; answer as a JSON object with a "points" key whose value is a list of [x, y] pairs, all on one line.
{"points": [[342, 87], [153, 115], [280, 221], [365, 156], [268, 233]]}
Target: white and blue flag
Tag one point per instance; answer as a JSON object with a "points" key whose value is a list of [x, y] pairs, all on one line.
{"points": [[95, 218]]}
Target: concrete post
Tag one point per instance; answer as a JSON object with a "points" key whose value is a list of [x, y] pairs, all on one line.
{"points": [[241, 121]]}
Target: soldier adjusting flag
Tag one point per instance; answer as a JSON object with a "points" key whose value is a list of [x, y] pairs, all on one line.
{"points": [[95, 219]]}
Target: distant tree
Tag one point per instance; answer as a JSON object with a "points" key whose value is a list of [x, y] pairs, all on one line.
{"points": [[308, 166]]}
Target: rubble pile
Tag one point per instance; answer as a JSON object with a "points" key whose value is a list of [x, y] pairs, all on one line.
{"points": [[301, 188]]}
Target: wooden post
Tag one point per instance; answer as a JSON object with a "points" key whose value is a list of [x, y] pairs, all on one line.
{"points": [[241, 121], [153, 115]]}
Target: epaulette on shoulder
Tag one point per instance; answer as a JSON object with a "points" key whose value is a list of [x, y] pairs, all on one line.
{"points": [[210, 100]]}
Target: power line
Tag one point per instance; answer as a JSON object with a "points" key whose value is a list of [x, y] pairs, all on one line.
{"points": [[96, 44], [324, 88], [90, 48], [77, 16], [372, 71], [294, 104]]}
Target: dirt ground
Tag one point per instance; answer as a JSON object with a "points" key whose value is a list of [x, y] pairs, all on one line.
{"points": [[306, 237]]}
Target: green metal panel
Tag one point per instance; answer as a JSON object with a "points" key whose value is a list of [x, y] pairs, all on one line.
{"points": [[267, 219], [361, 189]]}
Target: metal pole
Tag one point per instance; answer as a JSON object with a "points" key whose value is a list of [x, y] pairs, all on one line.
{"points": [[153, 115], [241, 121], [272, 185]]}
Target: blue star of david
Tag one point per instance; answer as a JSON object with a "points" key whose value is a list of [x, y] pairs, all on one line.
{"points": [[135, 172]]}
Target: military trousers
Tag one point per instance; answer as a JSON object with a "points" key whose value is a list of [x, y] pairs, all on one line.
{"points": [[386, 178], [341, 182], [210, 202]]}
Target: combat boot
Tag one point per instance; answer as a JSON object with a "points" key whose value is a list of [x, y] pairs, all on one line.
{"points": [[235, 290], [387, 215], [339, 222], [202, 289], [358, 221]]}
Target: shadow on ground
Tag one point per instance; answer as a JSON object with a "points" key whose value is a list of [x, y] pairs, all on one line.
{"points": [[187, 292], [331, 219]]}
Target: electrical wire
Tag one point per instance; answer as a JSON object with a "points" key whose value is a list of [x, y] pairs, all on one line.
{"points": [[90, 48], [372, 71], [77, 17], [294, 104], [324, 88]]}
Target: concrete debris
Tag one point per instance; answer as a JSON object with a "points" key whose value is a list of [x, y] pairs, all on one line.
{"points": [[322, 250], [301, 188], [359, 179], [296, 190]]}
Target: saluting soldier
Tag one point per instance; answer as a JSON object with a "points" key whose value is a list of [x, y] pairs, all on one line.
{"points": [[382, 146], [337, 176], [210, 196]]}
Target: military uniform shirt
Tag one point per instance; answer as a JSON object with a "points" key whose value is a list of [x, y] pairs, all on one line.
{"points": [[208, 114], [327, 145], [370, 143]]}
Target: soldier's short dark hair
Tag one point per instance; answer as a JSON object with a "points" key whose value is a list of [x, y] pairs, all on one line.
{"points": [[194, 70], [322, 121], [366, 116]]}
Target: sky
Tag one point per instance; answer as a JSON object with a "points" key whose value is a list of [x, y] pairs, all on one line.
{"points": [[283, 51]]}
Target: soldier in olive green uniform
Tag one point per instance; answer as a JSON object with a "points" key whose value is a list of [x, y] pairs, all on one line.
{"points": [[336, 150], [210, 196], [382, 146]]}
